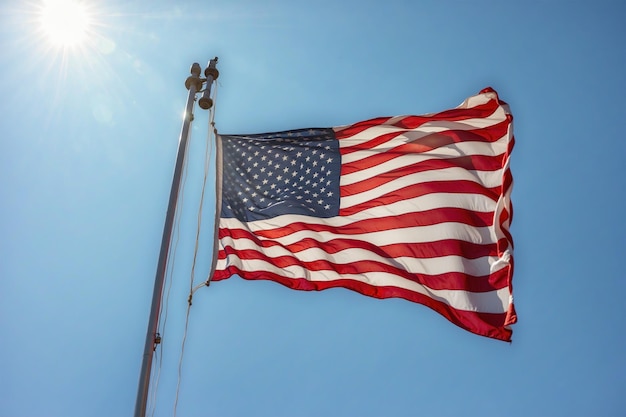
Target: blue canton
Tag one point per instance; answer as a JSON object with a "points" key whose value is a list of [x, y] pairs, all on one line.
{"points": [[291, 172]]}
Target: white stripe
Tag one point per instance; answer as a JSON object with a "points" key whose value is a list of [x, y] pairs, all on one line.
{"points": [[408, 235], [425, 129], [485, 302], [477, 100], [398, 184], [497, 116], [429, 266], [443, 199], [452, 150], [470, 202], [487, 179]]}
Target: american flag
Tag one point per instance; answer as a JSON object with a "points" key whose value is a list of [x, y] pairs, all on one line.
{"points": [[416, 207]]}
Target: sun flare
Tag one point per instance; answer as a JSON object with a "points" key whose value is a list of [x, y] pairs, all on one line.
{"points": [[65, 23]]}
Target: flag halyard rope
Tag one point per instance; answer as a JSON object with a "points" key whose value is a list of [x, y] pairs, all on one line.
{"points": [[192, 288]]}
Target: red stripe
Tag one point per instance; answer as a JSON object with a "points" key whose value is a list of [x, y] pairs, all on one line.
{"points": [[437, 139], [417, 190], [481, 111], [485, 324], [446, 281], [360, 127], [413, 219], [413, 122], [372, 143], [471, 162], [424, 250], [467, 163]]}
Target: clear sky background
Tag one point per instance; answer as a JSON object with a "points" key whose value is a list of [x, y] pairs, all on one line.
{"points": [[88, 138]]}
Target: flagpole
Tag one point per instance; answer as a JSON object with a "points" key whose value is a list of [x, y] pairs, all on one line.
{"points": [[194, 85]]}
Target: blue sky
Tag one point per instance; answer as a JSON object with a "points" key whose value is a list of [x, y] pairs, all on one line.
{"points": [[87, 145]]}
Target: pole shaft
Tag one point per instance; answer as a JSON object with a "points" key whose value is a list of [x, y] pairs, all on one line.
{"points": [[194, 83]]}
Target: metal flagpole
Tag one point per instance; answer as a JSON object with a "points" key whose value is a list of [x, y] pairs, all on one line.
{"points": [[194, 85]]}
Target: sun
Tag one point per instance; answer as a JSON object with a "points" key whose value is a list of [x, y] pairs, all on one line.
{"points": [[65, 23]]}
